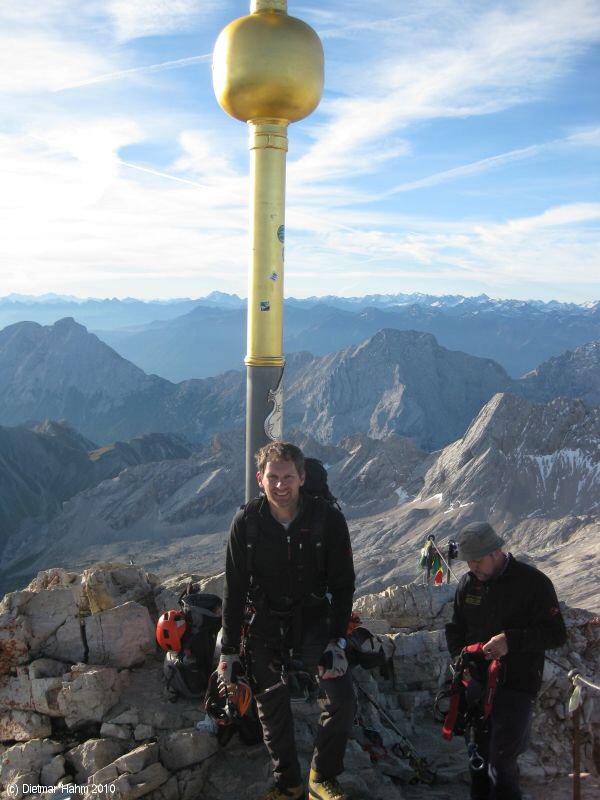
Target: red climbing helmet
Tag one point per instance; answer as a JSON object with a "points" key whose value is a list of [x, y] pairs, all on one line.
{"points": [[170, 629]]}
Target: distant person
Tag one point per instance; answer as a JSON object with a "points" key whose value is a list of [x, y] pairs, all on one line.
{"points": [[430, 558], [302, 604], [511, 608], [452, 555]]}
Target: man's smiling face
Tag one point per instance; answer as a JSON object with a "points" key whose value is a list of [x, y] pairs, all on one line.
{"points": [[281, 484]]}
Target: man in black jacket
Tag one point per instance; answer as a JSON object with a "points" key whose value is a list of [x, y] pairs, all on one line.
{"points": [[302, 602], [511, 608]]}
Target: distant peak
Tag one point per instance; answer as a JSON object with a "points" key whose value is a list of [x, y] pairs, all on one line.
{"points": [[69, 323]]}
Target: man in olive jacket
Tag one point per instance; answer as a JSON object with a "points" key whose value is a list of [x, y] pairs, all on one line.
{"points": [[300, 588], [511, 608]]}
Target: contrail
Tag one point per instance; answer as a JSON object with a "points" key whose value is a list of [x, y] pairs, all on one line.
{"points": [[124, 73], [162, 174]]}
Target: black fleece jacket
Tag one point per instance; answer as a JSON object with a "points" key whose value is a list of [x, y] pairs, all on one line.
{"points": [[285, 568], [522, 603]]}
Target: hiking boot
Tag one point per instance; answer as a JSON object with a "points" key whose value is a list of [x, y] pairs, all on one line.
{"points": [[285, 793], [324, 788]]}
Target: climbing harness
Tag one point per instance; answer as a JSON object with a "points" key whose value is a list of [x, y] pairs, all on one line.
{"points": [[466, 715]]}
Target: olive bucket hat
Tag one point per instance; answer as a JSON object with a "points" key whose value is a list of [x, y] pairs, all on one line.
{"points": [[477, 540]]}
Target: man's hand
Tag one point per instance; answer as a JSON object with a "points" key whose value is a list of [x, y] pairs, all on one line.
{"points": [[229, 668], [333, 663], [496, 647]]}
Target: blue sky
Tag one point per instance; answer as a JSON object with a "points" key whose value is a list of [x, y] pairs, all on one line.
{"points": [[456, 150]]}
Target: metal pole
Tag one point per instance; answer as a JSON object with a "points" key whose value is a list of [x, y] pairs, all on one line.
{"points": [[264, 360], [268, 72], [577, 754]]}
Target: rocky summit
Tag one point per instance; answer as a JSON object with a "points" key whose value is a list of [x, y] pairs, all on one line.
{"points": [[84, 704]]}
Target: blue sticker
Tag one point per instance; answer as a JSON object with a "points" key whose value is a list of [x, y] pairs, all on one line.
{"points": [[281, 233], [265, 305], [273, 276]]}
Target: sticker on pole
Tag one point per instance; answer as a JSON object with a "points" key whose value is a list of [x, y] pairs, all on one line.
{"points": [[281, 233], [273, 276], [274, 422], [265, 305]]}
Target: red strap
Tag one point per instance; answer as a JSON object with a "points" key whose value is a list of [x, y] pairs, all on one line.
{"points": [[450, 721], [490, 689]]}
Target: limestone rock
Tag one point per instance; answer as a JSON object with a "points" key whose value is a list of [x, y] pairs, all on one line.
{"points": [[130, 787], [27, 759], [120, 636], [53, 771], [138, 759], [420, 659], [20, 726], [168, 791], [50, 611], [46, 668], [134, 774], [14, 635], [142, 732], [23, 694], [91, 756], [185, 748], [108, 585], [110, 730], [88, 693], [19, 781], [409, 607]]}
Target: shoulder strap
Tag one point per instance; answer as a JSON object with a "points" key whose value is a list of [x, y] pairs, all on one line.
{"points": [[251, 519], [317, 531]]}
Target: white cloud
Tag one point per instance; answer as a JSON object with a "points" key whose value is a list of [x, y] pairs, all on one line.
{"points": [[498, 57], [74, 217], [136, 18], [37, 62]]}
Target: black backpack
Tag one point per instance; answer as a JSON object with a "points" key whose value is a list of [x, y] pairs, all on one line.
{"points": [[315, 481], [187, 671]]}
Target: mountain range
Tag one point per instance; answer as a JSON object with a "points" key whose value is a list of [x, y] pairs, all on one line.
{"points": [[417, 439], [185, 339], [532, 469], [399, 382]]}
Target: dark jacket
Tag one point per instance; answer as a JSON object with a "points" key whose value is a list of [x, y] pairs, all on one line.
{"points": [[522, 603], [285, 569]]}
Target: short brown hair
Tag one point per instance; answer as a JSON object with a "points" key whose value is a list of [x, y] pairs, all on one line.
{"points": [[279, 451]]}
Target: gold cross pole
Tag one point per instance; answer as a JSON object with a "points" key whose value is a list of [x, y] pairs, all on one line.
{"points": [[267, 72]]}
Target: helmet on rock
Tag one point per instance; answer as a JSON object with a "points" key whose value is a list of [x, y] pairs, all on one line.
{"points": [[227, 704], [170, 629]]}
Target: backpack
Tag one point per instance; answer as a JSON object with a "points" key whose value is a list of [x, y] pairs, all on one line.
{"points": [[187, 671], [315, 481]]}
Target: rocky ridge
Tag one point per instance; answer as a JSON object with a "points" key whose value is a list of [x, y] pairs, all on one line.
{"points": [[572, 374], [82, 705], [533, 470], [399, 382], [44, 466]]}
